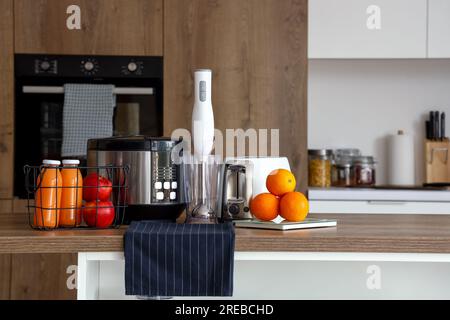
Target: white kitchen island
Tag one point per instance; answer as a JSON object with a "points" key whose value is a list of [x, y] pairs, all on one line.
{"points": [[364, 257], [294, 275]]}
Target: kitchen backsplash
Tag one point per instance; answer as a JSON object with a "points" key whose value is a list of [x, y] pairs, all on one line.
{"points": [[358, 103]]}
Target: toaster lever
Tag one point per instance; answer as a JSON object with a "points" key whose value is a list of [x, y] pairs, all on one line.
{"points": [[237, 168]]}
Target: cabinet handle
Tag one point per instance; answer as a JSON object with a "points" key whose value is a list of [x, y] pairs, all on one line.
{"points": [[385, 203]]}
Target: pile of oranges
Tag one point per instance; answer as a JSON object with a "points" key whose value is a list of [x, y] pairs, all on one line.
{"points": [[282, 199]]}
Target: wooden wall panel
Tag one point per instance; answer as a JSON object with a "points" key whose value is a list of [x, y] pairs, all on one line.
{"points": [[41, 276], [257, 50], [109, 27], [6, 206], [5, 276], [15, 205], [21, 205], [6, 98]]}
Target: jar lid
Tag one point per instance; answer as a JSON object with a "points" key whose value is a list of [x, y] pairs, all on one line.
{"points": [[350, 152], [51, 162], [320, 152], [71, 161], [344, 161], [364, 160]]}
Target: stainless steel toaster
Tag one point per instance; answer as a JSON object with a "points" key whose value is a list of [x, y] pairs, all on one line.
{"points": [[236, 190]]}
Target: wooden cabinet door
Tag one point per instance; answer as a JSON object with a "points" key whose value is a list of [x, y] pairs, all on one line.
{"points": [[6, 101], [109, 27], [367, 28], [43, 276], [257, 50], [438, 29], [5, 276]]}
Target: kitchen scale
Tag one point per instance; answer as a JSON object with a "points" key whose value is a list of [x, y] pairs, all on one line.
{"points": [[308, 223]]}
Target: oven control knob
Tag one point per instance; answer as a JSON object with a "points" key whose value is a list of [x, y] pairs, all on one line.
{"points": [[132, 66], [89, 66], [45, 65]]}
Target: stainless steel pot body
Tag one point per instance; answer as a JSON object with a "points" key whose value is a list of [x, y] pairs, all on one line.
{"points": [[140, 174]]}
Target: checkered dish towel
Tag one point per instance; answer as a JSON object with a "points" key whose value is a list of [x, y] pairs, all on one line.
{"points": [[88, 114]]}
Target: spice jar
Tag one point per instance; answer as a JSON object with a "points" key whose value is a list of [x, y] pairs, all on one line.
{"points": [[364, 171], [343, 172], [320, 168]]}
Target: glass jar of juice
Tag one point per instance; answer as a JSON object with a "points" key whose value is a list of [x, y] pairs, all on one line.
{"points": [[72, 194], [48, 195]]}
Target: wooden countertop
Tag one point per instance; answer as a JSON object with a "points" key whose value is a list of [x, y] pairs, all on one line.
{"points": [[354, 233]]}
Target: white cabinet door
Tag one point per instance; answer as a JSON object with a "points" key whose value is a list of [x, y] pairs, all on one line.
{"points": [[439, 29], [367, 28]]}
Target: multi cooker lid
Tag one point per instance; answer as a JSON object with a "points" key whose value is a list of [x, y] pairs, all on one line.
{"points": [[132, 143]]}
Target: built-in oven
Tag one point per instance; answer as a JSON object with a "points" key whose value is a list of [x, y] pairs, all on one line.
{"points": [[39, 100]]}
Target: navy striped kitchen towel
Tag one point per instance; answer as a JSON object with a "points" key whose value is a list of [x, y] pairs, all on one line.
{"points": [[167, 259]]}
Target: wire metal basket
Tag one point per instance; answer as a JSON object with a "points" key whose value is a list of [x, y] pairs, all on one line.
{"points": [[53, 203]]}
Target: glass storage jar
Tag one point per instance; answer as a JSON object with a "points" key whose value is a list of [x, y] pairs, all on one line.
{"points": [[343, 172], [365, 171], [319, 168]]}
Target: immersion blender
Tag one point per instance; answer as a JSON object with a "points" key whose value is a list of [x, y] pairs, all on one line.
{"points": [[203, 136]]}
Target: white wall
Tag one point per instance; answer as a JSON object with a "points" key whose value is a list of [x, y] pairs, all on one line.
{"points": [[357, 103]]}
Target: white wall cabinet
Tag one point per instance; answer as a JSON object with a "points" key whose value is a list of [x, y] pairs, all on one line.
{"points": [[368, 28], [439, 29]]}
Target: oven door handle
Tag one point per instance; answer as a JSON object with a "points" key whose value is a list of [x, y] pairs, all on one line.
{"points": [[60, 90]]}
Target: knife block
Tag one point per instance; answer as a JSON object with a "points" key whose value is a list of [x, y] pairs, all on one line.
{"points": [[437, 161]]}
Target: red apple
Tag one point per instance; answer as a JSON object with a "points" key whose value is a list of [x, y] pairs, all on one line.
{"points": [[99, 214], [96, 187]]}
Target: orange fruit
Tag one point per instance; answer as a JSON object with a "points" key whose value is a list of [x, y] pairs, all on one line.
{"points": [[264, 206], [280, 181], [294, 206]]}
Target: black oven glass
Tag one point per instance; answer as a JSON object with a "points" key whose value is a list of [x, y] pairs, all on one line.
{"points": [[39, 110]]}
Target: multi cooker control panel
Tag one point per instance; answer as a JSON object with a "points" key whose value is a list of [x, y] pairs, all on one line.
{"points": [[165, 188]]}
